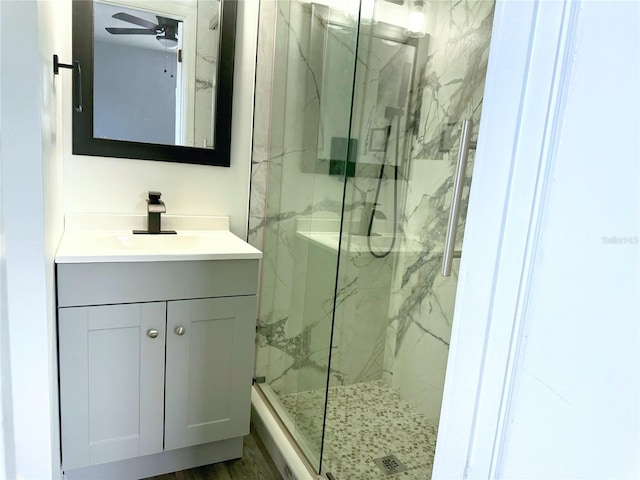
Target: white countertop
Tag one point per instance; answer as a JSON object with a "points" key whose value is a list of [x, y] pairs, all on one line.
{"points": [[109, 238]]}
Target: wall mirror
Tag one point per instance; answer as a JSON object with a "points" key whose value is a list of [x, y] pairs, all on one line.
{"points": [[156, 79]]}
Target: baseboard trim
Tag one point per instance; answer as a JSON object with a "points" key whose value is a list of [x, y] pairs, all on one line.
{"points": [[160, 463]]}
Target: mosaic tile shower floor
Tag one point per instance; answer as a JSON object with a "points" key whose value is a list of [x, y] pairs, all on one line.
{"points": [[365, 421]]}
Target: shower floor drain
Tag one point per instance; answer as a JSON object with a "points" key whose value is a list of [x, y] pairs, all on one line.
{"points": [[390, 464]]}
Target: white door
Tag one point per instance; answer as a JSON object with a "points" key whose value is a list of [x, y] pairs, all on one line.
{"points": [[209, 369], [111, 382]]}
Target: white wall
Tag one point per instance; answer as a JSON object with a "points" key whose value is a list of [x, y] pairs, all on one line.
{"points": [[574, 410], [116, 185], [134, 90], [53, 194], [543, 373], [6, 431], [31, 227]]}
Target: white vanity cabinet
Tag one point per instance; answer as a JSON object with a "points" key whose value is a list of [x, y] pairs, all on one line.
{"points": [[111, 382], [156, 363], [208, 344]]}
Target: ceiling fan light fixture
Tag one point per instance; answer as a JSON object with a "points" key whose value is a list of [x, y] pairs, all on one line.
{"points": [[167, 41]]}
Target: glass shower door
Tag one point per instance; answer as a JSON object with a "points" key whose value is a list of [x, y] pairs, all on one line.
{"points": [[311, 102], [394, 308]]}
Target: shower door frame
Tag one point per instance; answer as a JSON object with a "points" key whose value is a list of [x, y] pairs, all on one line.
{"points": [[523, 99]]}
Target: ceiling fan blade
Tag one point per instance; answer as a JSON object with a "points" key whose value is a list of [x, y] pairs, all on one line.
{"points": [[135, 20], [130, 31]]}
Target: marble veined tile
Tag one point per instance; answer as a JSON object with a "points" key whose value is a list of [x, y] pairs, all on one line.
{"points": [[419, 377], [449, 87]]}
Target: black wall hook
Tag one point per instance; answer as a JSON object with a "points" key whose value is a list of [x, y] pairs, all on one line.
{"points": [[78, 79]]}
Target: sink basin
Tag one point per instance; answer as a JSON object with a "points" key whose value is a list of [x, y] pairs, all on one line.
{"points": [[154, 242], [96, 246]]}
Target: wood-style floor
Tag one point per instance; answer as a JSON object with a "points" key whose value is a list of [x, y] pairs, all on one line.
{"points": [[255, 464]]}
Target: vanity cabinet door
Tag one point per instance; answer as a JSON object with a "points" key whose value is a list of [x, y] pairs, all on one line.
{"points": [[111, 382], [210, 347]]}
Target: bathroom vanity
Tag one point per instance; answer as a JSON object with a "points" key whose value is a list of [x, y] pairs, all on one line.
{"points": [[156, 343]]}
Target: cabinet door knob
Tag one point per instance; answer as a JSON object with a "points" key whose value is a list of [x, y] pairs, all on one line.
{"points": [[179, 330], [152, 333]]}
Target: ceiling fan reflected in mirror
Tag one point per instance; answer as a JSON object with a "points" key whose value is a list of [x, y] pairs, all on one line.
{"points": [[166, 30]]}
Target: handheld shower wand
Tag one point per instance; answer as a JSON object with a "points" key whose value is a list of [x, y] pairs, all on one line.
{"points": [[389, 76]]}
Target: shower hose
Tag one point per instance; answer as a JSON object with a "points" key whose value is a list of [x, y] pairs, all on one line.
{"points": [[395, 192]]}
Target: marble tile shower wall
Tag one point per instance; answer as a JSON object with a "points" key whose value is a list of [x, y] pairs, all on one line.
{"points": [[261, 149], [450, 86], [362, 307], [293, 337]]}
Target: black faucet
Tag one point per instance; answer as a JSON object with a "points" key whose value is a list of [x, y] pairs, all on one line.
{"points": [[155, 207]]}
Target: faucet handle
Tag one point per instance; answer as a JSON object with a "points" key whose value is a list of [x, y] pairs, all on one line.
{"points": [[154, 197]]}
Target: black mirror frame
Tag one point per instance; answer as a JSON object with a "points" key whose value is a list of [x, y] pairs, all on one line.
{"points": [[85, 144]]}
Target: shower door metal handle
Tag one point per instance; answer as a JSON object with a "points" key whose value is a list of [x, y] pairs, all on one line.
{"points": [[458, 184]]}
